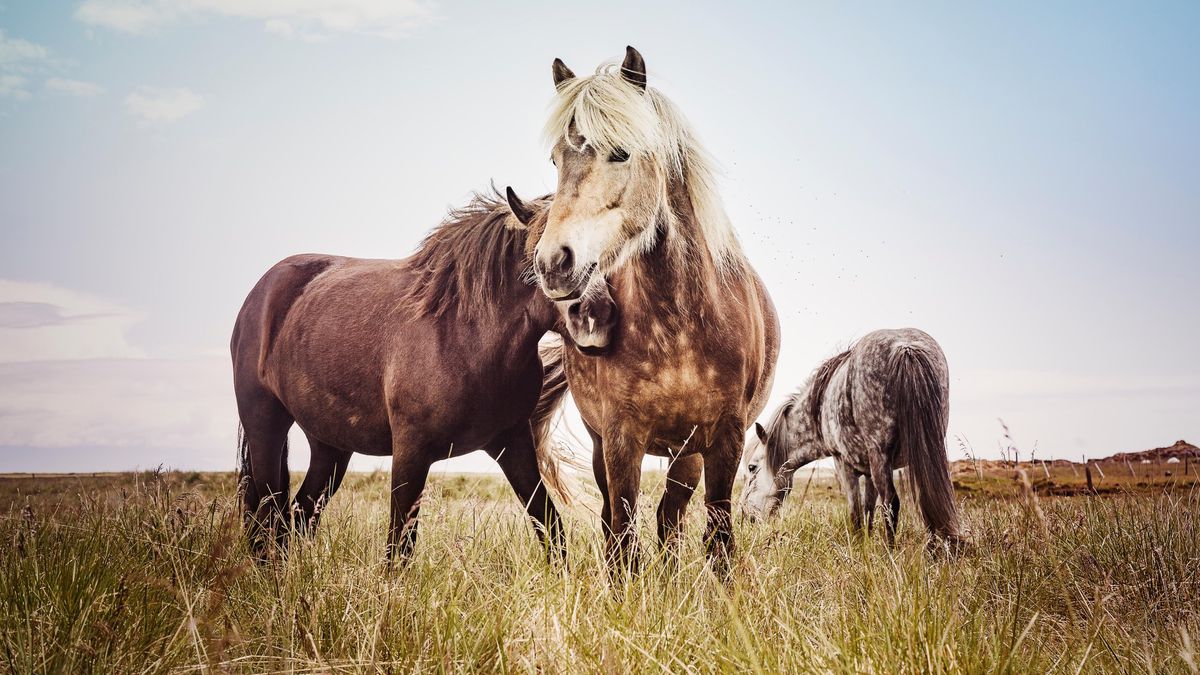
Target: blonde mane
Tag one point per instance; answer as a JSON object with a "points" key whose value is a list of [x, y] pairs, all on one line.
{"points": [[610, 114]]}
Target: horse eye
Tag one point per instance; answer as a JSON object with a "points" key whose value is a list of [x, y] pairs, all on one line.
{"points": [[753, 468], [618, 155]]}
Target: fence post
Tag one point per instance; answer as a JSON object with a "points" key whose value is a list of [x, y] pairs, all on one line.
{"points": [[1087, 470]]}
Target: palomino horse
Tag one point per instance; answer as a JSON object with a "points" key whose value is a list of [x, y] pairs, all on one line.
{"points": [[424, 358], [693, 360], [881, 405]]}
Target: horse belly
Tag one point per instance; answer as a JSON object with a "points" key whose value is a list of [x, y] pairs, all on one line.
{"points": [[347, 422]]}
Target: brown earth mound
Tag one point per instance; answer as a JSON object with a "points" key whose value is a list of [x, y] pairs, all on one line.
{"points": [[1181, 449]]}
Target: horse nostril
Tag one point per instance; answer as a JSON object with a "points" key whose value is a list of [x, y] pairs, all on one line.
{"points": [[563, 260], [598, 310]]}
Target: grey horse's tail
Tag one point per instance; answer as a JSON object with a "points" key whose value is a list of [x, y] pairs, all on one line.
{"points": [[920, 402], [554, 390]]}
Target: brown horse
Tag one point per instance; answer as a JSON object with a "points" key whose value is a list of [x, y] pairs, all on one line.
{"points": [[692, 363], [422, 359]]}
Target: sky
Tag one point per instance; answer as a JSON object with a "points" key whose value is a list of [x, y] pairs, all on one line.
{"points": [[1020, 181]]}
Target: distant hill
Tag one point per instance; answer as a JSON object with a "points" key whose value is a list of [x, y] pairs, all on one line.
{"points": [[1181, 449]]}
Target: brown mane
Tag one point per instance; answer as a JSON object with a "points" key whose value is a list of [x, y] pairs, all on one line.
{"points": [[807, 402], [473, 256]]}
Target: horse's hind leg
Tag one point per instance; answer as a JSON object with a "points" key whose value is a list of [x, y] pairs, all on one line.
{"points": [[265, 423], [881, 475], [326, 469], [870, 497], [848, 477], [683, 475], [514, 452]]}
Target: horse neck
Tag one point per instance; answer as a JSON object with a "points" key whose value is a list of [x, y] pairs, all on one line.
{"points": [[679, 266], [804, 429], [517, 321], [799, 432]]}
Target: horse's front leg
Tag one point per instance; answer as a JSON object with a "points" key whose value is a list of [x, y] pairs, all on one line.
{"points": [[623, 475], [720, 471], [683, 475], [515, 453], [410, 469], [601, 475]]}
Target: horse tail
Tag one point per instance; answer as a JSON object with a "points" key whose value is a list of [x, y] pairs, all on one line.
{"points": [[550, 456], [245, 481], [920, 400]]}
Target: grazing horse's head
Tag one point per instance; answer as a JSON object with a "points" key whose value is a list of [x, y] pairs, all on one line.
{"points": [[772, 456], [620, 147], [764, 491]]}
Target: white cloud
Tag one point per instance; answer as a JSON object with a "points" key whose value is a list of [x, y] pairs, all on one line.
{"points": [[70, 87], [131, 17], [170, 404], [306, 19], [15, 52], [1013, 383], [41, 322], [17, 56], [163, 105], [286, 29], [75, 394], [13, 86]]}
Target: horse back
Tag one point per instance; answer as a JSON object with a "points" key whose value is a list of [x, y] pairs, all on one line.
{"points": [[858, 413]]}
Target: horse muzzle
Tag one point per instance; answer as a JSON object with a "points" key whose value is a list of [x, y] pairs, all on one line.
{"points": [[559, 278], [592, 322]]}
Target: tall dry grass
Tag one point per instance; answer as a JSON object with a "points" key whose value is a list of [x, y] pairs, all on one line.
{"points": [[149, 573]]}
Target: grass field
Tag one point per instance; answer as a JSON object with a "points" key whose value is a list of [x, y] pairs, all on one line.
{"points": [[148, 573]]}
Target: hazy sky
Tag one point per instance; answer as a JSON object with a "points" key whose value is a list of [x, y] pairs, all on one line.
{"points": [[1021, 181]]}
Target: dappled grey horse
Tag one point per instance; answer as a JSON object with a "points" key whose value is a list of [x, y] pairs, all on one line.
{"points": [[881, 405]]}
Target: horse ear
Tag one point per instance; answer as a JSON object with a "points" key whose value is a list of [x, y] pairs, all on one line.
{"points": [[561, 73], [634, 68], [762, 433], [519, 209]]}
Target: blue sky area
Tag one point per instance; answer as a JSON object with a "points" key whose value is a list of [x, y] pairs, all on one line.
{"points": [[1019, 180]]}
